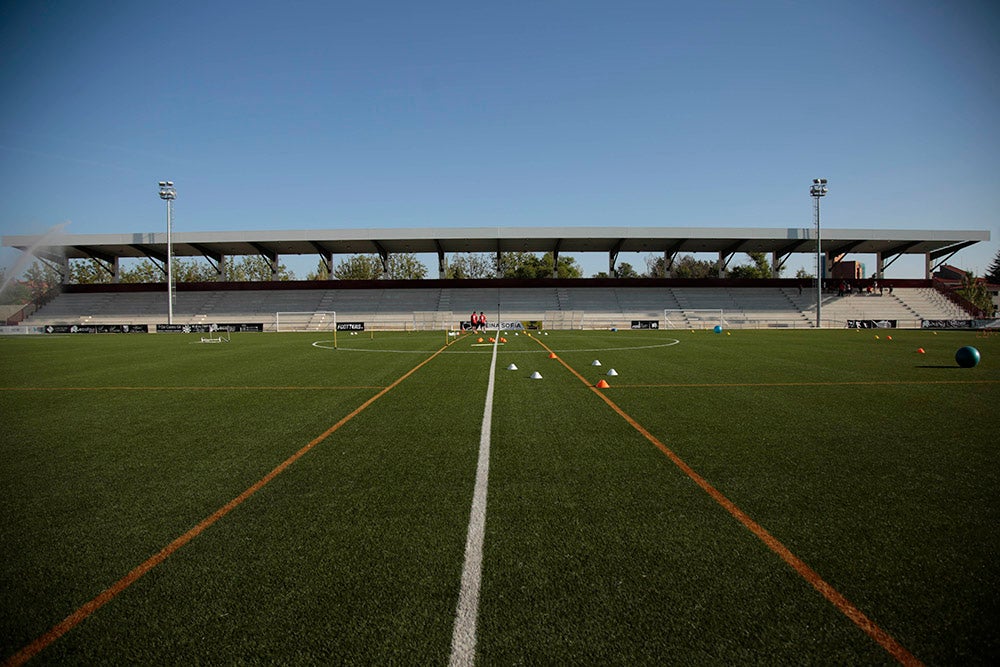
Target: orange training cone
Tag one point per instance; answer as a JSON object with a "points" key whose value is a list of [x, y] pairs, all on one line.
{"points": [[552, 355], [920, 350], [603, 384]]}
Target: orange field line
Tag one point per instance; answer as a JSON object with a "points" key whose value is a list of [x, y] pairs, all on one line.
{"points": [[844, 383], [845, 606], [167, 388], [115, 589]]}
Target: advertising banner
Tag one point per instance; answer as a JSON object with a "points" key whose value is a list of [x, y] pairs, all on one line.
{"points": [[871, 324], [253, 327], [96, 328]]}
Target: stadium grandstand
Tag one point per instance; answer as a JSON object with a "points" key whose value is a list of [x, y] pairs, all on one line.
{"points": [[553, 303]]}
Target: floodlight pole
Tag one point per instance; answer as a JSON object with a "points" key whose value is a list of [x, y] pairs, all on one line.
{"points": [[169, 194], [816, 191]]}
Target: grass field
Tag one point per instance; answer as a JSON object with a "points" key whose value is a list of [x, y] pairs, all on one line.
{"points": [[873, 466]]}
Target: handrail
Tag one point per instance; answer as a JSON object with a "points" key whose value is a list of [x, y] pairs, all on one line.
{"points": [[952, 295]]}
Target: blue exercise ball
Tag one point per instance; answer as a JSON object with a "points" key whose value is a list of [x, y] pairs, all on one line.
{"points": [[718, 328], [967, 356]]}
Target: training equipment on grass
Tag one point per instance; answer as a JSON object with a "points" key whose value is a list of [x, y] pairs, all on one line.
{"points": [[612, 372], [512, 367], [536, 376], [595, 362], [967, 357], [920, 350], [222, 337], [552, 355], [603, 384], [717, 328]]}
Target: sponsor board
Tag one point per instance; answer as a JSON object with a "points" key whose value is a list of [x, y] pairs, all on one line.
{"points": [[871, 324], [510, 324], [254, 327], [991, 323], [350, 326], [20, 330], [645, 324], [95, 328]]}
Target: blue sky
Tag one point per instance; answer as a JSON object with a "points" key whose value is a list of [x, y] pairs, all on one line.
{"points": [[326, 115]]}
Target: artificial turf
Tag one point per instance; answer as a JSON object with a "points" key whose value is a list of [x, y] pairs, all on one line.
{"points": [[874, 464]]}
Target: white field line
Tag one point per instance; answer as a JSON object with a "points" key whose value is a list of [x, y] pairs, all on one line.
{"points": [[463, 638]]}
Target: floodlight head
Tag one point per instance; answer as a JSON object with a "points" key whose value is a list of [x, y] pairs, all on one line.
{"points": [[170, 184], [163, 184]]}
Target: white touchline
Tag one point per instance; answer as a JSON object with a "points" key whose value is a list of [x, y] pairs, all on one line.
{"points": [[463, 638]]}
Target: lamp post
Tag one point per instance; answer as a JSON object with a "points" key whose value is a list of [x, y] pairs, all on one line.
{"points": [[817, 190], [169, 194]]}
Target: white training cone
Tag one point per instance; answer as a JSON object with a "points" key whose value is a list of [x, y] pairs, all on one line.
{"points": [[536, 376], [512, 367], [595, 362], [612, 372]]}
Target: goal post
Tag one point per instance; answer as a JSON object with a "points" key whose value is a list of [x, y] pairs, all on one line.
{"points": [[693, 318], [305, 320]]}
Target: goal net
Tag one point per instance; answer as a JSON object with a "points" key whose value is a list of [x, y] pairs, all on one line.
{"points": [[292, 320], [693, 318]]}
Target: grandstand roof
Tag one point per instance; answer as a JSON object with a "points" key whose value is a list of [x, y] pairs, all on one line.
{"points": [[610, 240]]}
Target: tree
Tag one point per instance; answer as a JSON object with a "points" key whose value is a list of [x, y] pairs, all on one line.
{"points": [[184, 270], [655, 266], [689, 267], [625, 270], [39, 279], [761, 268], [471, 265], [254, 268], [406, 266], [975, 292], [358, 267], [529, 265], [14, 293], [88, 272], [993, 273], [196, 271], [143, 272], [402, 266], [321, 272], [802, 274]]}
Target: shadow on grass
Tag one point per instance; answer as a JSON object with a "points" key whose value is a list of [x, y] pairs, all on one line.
{"points": [[952, 367]]}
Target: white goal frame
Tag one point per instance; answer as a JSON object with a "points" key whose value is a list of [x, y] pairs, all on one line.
{"points": [[693, 318], [305, 320]]}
